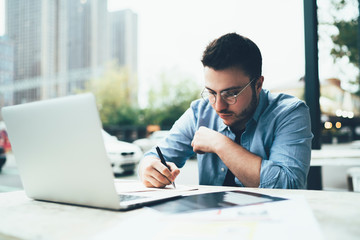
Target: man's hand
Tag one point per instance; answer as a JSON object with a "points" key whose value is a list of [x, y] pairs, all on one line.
{"points": [[154, 174], [206, 140]]}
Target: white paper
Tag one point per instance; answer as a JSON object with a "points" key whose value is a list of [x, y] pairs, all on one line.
{"points": [[131, 186], [281, 220]]}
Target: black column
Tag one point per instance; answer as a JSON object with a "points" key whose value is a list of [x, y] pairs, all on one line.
{"points": [[312, 85]]}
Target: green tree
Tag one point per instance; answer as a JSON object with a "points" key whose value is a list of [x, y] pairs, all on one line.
{"points": [[346, 40], [113, 96], [169, 100]]}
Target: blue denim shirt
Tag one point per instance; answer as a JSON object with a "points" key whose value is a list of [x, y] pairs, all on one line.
{"points": [[279, 132]]}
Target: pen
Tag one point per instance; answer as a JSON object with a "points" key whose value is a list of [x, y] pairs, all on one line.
{"points": [[163, 161]]}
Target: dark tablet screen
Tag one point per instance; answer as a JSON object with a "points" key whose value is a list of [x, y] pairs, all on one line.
{"points": [[215, 200]]}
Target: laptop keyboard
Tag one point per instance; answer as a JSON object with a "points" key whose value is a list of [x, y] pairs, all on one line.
{"points": [[123, 197]]}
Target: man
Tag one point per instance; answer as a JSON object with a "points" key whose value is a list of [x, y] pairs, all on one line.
{"points": [[243, 135]]}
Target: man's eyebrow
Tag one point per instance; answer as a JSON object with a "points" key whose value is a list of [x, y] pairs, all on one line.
{"points": [[226, 89]]}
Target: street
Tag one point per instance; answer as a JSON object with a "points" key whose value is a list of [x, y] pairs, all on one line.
{"points": [[9, 176], [10, 179]]}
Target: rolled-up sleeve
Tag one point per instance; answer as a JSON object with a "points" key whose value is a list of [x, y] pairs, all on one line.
{"points": [[289, 155]]}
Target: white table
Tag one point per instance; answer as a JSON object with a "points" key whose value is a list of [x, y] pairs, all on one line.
{"points": [[335, 157], [340, 155], [22, 218]]}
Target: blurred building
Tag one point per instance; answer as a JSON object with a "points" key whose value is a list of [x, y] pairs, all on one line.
{"points": [[334, 100], [6, 69], [61, 44], [340, 109], [123, 45]]}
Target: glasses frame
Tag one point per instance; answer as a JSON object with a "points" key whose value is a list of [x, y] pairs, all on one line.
{"points": [[206, 98]]}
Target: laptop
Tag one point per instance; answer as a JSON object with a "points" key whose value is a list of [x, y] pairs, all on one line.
{"points": [[61, 157]]}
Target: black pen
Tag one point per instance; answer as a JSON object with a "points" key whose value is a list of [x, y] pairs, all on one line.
{"points": [[162, 159]]}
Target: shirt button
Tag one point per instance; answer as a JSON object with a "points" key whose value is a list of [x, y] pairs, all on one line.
{"points": [[222, 169]]}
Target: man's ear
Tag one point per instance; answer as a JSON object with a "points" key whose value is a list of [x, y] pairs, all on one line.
{"points": [[259, 84]]}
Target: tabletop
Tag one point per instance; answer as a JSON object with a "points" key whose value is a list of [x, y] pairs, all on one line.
{"points": [[335, 157], [22, 218]]}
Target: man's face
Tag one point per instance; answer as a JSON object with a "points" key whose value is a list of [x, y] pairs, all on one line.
{"points": [[233, 79]]}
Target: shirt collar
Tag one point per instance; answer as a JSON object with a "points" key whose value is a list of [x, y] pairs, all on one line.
{"points": [[222, 125], [261, 106]]}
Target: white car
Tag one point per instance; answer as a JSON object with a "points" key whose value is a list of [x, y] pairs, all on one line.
{"points": [[147, 143], [123, 156]]}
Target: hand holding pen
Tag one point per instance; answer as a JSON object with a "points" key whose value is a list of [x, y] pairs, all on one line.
{"points": [[162, 159]]}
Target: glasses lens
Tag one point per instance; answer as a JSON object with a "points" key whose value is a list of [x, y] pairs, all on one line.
{"points": [[207, 96], [230, 99]]}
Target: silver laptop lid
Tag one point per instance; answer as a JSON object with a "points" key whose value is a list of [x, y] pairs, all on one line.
{"points": [[60, 152]]}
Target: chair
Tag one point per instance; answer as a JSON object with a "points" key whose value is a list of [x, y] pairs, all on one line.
{"points": [[353, 179]]}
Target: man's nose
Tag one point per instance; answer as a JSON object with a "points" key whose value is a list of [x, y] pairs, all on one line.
{"points": [[220, 104]]}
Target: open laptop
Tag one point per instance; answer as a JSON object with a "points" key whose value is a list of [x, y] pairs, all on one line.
{"points": [[61, 156]]}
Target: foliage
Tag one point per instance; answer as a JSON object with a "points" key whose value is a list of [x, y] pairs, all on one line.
{"points": [[113, 96], [346, 40], [167, 100]]}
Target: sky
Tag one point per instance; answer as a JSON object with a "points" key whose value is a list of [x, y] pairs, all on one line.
{"points": [[173, 34], [177, 32]]}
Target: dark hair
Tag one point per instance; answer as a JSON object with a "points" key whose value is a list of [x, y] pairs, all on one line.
{"points": [[233, 50]]}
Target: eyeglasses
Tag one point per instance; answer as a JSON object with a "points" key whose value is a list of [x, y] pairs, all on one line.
{"points": [[229, 96]]}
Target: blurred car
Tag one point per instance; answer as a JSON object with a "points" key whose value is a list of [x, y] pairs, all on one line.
{"points": [[2, 157], [147, 143], [123, 156], [4, 144], [4, 139]]}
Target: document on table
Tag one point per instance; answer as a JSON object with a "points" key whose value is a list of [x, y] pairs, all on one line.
{"points": [[132, 186], [281, 220]]}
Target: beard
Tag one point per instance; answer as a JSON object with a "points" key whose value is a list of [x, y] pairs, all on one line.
{"points": [[248, 112], [243, 117]]}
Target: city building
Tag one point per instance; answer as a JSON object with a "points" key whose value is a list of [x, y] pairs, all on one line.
{"points": [[60, 45], [340, 109], [6, 69], [123, 45]]}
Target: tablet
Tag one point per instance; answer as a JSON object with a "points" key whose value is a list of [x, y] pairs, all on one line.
{"points": [[215, 200]]}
